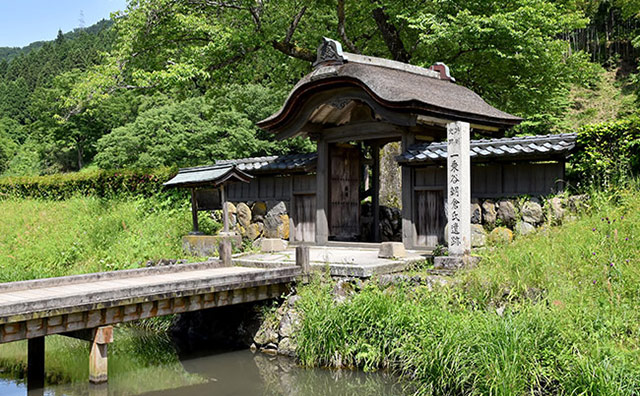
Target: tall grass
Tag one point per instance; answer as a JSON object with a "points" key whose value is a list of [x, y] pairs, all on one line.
{"points": [[43, 238], [554, 313]]}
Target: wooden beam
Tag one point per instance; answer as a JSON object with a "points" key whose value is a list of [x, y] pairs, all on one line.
{"points": [[408, 227], [35, 365], [322, 193], [375, 188], [98, 358], [194, 212], [361, 131]]}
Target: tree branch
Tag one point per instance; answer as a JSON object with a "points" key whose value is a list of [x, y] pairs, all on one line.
{"points": [[341, 30], [390, 34], [287, 48], [294, 24]]}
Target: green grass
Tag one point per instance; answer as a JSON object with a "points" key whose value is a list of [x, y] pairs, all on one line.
{"points": [[41, 238], [569, 322]]}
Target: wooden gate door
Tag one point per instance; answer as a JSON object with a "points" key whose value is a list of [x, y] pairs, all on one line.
{"points": [[430, 218], [304, 218], [344, 197]]}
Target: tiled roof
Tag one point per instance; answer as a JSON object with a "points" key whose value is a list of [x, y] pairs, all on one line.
{"points": [[211, 175], [274, 163], [530, 147]]}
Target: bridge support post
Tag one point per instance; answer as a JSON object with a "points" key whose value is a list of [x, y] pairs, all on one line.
{"points": [[224, 250], [35, 366], [302, 259], [98, 370]]}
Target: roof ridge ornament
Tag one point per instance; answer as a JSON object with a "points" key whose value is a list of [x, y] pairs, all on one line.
{"points": [[443, 69], [329, 53]]}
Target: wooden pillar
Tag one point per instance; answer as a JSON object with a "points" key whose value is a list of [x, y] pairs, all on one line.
{"points": [[98, 369], [408, 227], [225, 210], [35, 366], [322, 193], [302, 259], [459, 188], [375, 190], [194, 212]]}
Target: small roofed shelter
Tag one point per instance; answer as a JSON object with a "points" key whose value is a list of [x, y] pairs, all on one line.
{"points": [[352, 105], [209, 181]]}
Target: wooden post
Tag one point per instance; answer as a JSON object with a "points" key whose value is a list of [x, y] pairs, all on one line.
{"points": [[194, 212], [322, 193], [375, 188], [98, 368], [35, 366], [408, 227], [225, 210], [302, 259], [459, 188], [224, 251]]}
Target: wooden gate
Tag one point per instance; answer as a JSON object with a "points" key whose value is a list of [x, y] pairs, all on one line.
{"points": [[344, 197], [304, 218], [430, 217]]}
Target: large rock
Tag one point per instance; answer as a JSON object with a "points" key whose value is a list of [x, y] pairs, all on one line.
{"points": [[287, 347], [277, 209], [243, 214], [258, 210], [523, 228], [283, 229], [501, 235], [507, 213], [290, 323], [392, 250], [254, 231], [266, 334], [489, 214], [532, 213], [578, 203], [556, 209], [476, 212], [478, 235]]}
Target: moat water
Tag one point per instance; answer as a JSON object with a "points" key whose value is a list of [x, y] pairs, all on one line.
{"points": [[145, 364]]}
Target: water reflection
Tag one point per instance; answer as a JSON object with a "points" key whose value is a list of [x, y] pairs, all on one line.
{"points": [[143, 365]]}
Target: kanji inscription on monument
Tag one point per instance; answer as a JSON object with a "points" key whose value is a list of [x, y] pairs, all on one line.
{"points": [[459, 183]]}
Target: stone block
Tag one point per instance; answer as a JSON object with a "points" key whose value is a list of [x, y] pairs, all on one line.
{"points": [[243, 215], [523, 228], [556, 209], [206, 245], [453, 263], [489, 215], [268, 245], [532, 212], [392, 250], [478, 235], [507, 212], [476, 213], [501, 235]]}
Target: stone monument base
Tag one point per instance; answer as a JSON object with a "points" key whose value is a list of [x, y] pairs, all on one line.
{"points": [[454, 263], [207, 245]]}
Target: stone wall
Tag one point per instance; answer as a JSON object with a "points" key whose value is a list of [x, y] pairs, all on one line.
{"points": [[502, 219], [259, 219]]}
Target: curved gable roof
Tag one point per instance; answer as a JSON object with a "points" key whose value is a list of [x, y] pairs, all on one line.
{"points": [[393, 85]]}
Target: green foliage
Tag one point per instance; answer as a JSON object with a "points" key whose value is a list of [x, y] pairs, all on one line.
{"points": [[608, 153], [553, 313], [45, 238], [195, 131], [97, 183]]}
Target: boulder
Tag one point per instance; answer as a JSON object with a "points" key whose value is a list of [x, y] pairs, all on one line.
{"points": [[254, 231], [476, 212], [243, 214], [231, 208], [277, 209], [392, 250], [556, 209], [283, 228], [258, 209], [507, 212], [287, 347], [578, 203], [523, 228], [489, 214], [266, 334], [478, 235], [532, 213], [501, 235], [290, 323]]}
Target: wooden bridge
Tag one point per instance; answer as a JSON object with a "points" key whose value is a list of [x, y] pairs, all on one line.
{"points": [[85, 306]]}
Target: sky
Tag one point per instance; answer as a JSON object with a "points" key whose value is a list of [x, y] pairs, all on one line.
{"points": [[25, 21]]}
